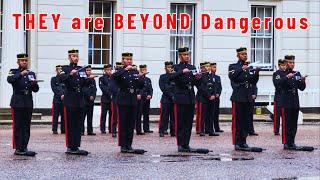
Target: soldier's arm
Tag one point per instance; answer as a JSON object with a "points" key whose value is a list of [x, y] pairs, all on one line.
{"points": [[255, 90], [13, 76], [219, 87], [236, 74], [64, 75], [279, 79], [118, 75], [301, 84], [165, 86], [56, 89], [34, 85], [104, 87], [94, 89], [112, 86], [176, 74], [150, 88]]}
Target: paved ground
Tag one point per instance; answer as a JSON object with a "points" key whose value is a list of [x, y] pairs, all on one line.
{"points": [[162, 161]]}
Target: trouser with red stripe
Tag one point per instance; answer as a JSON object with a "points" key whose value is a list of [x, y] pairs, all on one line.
{"points": [[73, 124], [240, 117], [276, 117], [126, 124], [106, 109], [206, 121], [216, 114], [166, 118], [184, 114], [289, 124], [250, 120], [87, 112], [57, 110], [21, 118]]}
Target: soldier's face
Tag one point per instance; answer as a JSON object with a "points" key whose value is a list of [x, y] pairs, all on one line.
{"points": [[184, 57], [290, 65], [282, 67], [127, 61], [108, 71], [168, 69], [89, 71], [242, 56], [23, 63], [214, 68], [207, 68], [143, 70], [74, 58]]}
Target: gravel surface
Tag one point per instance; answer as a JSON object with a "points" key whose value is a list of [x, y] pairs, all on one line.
{"points": [[162, 160]]}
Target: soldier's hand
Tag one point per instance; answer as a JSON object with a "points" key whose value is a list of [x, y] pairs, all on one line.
{"points": [[149, 97], [62, 97], [129, 67], [245, 67], [212, 97], [91, 98], [25, 72], [185, 70], [73, 72], [139, 97], [254, 96], [303, 78], [217, 95], [290, 75]]}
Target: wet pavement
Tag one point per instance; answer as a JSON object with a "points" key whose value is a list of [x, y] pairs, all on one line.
{"points": [[162, 161]]}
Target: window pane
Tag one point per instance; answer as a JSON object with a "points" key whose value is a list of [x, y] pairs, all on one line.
{"points": [[90, 8], [105, 57], [260, 13], [90, 41], [259, 56], [267, 56], [173, 9], [259, 42], [97, 41], [268, 12], [107, 25], [180, 10], [189, 11], [98, 10], [97, 57], [253, 54], [105, 42], [172, 43], [106, 10], [267, 43]]}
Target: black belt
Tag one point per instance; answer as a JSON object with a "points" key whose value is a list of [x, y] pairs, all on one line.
{"points": [[25, 93]]}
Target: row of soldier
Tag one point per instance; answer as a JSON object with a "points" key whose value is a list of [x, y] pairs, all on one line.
{"points": [[127, 91]]}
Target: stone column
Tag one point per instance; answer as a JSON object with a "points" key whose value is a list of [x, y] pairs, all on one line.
{"points": [[12, 44]]}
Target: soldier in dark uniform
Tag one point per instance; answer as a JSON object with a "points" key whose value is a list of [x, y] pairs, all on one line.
{"points": [[276, 104], [23, 82], [218, 89], [185, 78], [57, 104], [206, 95], [74, 77], [199, 104], [90, 93], [128, 80], [166, 107], [104, 84], [290, 82], [242, 80], [146, 94], [252, 99]]}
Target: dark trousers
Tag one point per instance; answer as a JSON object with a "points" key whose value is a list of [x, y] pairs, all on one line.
{"points": [[206, 121], [250, 120], [166, 117], [21, 118], [289, 124], [184, 114], [57, 110], [216, 114], [240, 117], [73, 123], [126, 124], [105, 109], [276, 117], [143, 111], [87, 112]]}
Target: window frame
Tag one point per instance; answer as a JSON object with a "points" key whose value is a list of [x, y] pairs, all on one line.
{"points": [[92, 49], [255, 36], [176, 35]]}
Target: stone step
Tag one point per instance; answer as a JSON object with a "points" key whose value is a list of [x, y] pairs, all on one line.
{"points": [[7, 116]]}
